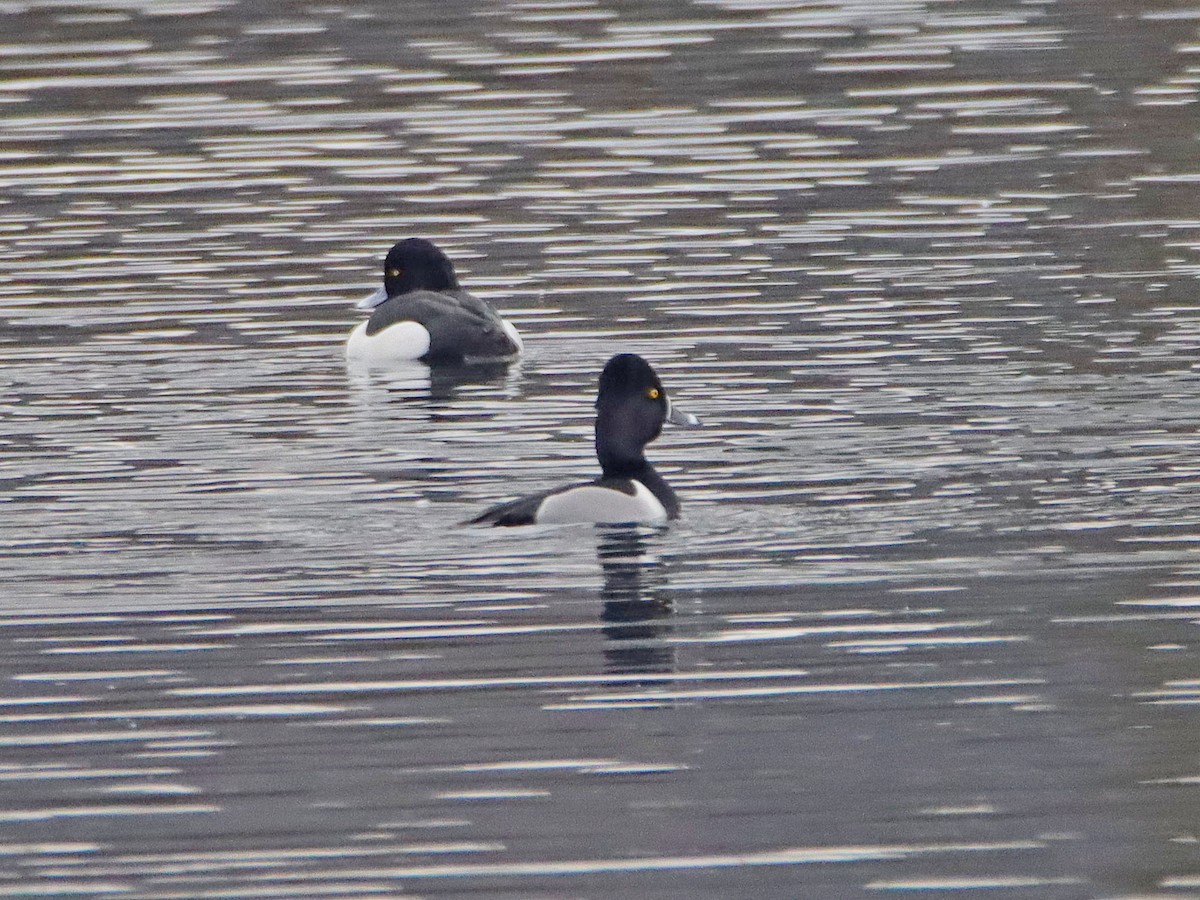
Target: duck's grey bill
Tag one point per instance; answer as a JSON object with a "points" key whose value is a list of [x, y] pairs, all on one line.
{"points": [[679, 417], [372, 301]]}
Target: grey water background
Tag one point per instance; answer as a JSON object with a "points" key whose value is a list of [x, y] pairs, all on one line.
{"points": [[927, 270]]}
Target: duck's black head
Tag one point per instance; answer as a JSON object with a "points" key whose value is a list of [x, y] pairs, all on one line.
{"points": [[416, 264], [630, 410]]}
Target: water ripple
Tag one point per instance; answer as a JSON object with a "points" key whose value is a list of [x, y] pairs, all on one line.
{"points": [[926, 271]]}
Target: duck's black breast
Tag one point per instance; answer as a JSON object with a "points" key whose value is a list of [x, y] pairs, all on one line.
{"points": [[648, 476]]}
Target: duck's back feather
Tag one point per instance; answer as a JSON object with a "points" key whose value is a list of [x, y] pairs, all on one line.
{"points": [[522, 511], [459, 324]]}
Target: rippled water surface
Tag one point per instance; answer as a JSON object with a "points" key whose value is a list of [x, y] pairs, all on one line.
{"points": [[930, 273]]}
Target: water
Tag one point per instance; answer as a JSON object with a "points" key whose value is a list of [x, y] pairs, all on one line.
{"points": [[928, 271]]}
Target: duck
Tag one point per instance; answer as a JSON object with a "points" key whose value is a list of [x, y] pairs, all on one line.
{"points": [[422, 313], [631, 407]]}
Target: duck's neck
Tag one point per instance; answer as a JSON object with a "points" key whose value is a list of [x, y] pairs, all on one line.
{"points": [[615, 464], [407, 283], [620, 443]]}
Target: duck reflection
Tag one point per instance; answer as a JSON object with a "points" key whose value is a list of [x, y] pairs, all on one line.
{"points": [[416, 380], [637, 610]]}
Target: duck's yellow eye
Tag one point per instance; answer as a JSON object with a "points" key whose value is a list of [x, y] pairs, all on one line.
{"points": [[394, 273], [652, 393]]}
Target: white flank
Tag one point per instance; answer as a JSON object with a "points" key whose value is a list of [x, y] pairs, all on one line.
{"points": [[402, 342], [601, 506]]}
